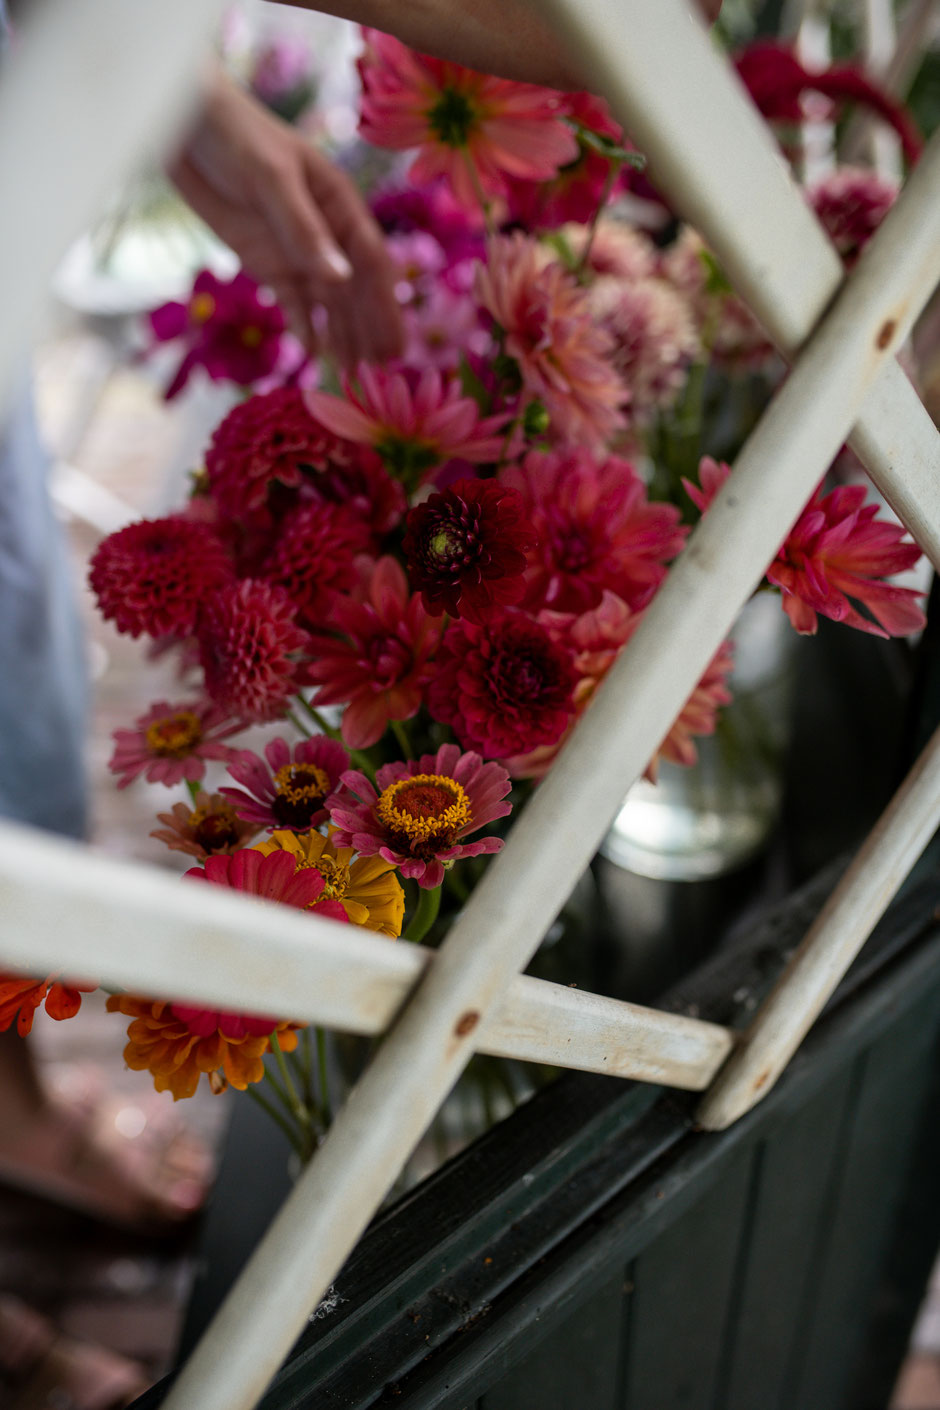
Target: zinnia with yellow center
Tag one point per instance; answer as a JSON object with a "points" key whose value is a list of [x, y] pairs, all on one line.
{"points": [[367, 889]]}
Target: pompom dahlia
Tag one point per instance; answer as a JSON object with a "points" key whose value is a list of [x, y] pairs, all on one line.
{"points": [[466, 549], [413, 425], [654, 340], [473, 129], [852, 202], [21, 996], [367, 887], [291, 791], [505, 687], [380, 661], [422, 811], [249, 647], [594, 528], [564, 357], [313, 557], [365, 489], [154, 576], [172, 742], [210, 828], [264, 446], [229, 326]]}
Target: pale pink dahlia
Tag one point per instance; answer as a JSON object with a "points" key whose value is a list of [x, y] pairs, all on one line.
{"points": [[617, 249], [172, 742], [473, 129], [654, 340], [413, 425], [291, 791], [420, 812], [731, 332], [595, 529], [564, 357], [249, 649], [852, 202]]}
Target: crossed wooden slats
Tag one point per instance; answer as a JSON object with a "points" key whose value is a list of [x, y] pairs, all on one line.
{"points": [[713, 157]]}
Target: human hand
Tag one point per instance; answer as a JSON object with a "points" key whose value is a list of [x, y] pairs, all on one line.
{"points": [[295, 221]]}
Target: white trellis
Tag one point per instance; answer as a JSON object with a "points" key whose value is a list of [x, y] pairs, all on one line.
{"points": [[66, 909]]}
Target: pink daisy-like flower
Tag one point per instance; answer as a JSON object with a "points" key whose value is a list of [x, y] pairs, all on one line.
{"points": [[466, 549], [852, 202], [413, 426], [210, 828], [420, 812], [473, 129], [505, 687], [229, 326], [249, 646], [313, 557], [292, 790], [576, 190], [654, 340], [441, 328], [563, 355], [380, 661], [594, 529], [172, 742], [154, 576], [278, 876], [264, 446], [837, 550]]}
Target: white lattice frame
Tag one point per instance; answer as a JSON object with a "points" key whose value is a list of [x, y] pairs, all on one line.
{"points": [[65, 908]]}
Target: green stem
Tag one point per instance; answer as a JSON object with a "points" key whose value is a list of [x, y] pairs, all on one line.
{"points": [[308, 1065], [326, 1105], [595, 218], [485, 206], [276, 1117], [356, 755], [300, 1112], [401, 734], [299, 725], [429, 903], [193, 790]]}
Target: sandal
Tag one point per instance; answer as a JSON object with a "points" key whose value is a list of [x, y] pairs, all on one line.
{"points": [[40, 1369]]}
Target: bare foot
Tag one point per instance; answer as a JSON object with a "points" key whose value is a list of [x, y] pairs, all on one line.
{"points": [[40, 1368]]}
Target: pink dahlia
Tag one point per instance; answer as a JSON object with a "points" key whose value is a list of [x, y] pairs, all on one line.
{"points": [[473, 129], [594, 529], [617, 249], [380, 660], [264, 446], [230, 327], [852, 202], [290, 792], [172, 742], [420, 812], [466, 549], [654, 340], [732, 333], [249, 646], [313, 556], [505, 687], [365, 489], [414, 426], [564, 357], [837, 550], [154, 576]]}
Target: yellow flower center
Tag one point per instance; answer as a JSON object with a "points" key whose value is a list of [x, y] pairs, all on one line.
{"points": [[300, 790], [201, 307], [250, 336], [335, 877], [174, 736], [427, 808]]}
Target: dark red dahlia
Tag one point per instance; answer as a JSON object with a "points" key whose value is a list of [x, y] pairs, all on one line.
{"points": [[313, 556], [365, 488], [154, 576], [466, 549], [852, 202], [505, 687], [248, 649], [264, 443]]}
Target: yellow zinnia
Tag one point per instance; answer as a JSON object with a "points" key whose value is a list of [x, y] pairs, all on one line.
{"points": [[367, 888]]}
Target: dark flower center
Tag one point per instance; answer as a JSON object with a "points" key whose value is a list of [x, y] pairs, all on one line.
{"points": [[300, 791], [214, 828], [452, 118]]}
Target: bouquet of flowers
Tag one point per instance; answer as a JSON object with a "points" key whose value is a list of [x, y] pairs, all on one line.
{"points": [[417, 574]]}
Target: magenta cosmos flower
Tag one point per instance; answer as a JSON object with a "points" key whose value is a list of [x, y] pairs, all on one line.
{"points": [[421, 811], [837, 550], [292, 790], [380, 661], [473, 129], [563, 355], [250, 650], [595, 529], [154, 576], [466, 549], [172, 742], [230, 327], [577, 189], [413, 425], [505, 687]]}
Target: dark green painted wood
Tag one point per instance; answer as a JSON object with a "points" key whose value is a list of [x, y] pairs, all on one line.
{"points": [[579, 1366]]}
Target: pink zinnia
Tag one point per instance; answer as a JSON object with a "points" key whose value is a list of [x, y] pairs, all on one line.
{"points": [[594, 529], [154, 576], [279, 876], [654, 340], [414, 426], [172, 742], [852, 202], [421, 812], [505, 687], [314, 555], [466, 549], [563, 355], [229, 326], [837, 550], [291, 791], [473, 129], [380, 661], [249, 646]]}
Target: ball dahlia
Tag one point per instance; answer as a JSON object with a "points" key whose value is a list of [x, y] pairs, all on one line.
{"points": [[155, 576], [249, 650]]}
